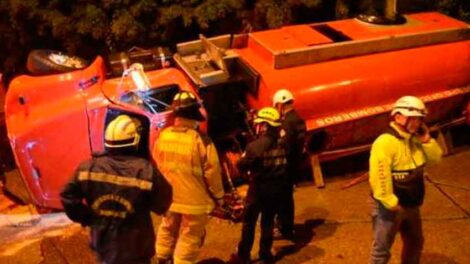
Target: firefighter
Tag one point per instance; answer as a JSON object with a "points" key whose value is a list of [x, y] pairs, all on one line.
{"points": [[397, 160], [188, 160], [113, 194], [295, 129], [265, 162]]}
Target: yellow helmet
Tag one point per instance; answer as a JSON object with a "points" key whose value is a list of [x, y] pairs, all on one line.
{"points": [[269, 115], [122, 132], [184, 99], [186, 105]]}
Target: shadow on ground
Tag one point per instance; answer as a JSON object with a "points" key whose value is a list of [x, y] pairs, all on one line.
{"points": [[304, 235], [211, 261], [434, 258]]}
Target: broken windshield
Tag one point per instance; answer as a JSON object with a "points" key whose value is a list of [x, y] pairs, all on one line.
{"points": [[154, 100]]}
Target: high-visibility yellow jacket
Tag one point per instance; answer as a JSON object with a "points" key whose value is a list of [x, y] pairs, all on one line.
{"points": [[189, 161], [390, 153]]}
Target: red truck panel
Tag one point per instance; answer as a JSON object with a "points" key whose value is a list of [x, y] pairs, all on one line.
{"points": [[54, 122]]}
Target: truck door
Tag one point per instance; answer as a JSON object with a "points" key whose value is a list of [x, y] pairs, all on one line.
{"points": [[48, 130]]}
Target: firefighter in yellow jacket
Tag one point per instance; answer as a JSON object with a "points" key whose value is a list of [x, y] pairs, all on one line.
{"points": [[188, 160], [397, 160]]}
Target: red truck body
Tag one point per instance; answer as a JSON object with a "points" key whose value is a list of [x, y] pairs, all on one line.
{"points": [[344, 75]]}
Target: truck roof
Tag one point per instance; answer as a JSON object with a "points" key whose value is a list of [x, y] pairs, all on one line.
{"points": [[303, 44], [349, 64], [358, 64]]}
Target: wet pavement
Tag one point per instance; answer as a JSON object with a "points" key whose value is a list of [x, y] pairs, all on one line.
{"points": [[332, 225]]}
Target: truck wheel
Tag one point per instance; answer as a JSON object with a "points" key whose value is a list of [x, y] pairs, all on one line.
{"points": [[43, 62]]}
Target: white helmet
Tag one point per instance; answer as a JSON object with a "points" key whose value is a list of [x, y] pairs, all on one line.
{"points": [[409, 106], [282, 96]]}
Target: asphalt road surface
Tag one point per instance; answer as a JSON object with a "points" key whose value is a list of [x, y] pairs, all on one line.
{"points": [[332, 225]]}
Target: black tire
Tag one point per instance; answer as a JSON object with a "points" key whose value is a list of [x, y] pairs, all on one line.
{"points": [[40, 63]]}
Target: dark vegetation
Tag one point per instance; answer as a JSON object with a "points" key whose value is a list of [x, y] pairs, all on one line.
{"points": [[90, 27]]}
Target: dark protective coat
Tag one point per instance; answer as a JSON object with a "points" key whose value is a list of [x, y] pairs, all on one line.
{"points": [[295, 129], [114, 196], [265, 159]]}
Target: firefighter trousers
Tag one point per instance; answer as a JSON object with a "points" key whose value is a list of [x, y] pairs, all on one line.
{"points": [[285, 216], [181, 236], [267, 208], [386, 224]]}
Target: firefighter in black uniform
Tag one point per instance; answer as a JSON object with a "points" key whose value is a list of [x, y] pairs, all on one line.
{"points": [[295, 129], [265, 162], [113, 194]]}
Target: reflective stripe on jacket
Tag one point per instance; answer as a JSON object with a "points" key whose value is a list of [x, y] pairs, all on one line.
{"points": [[189, 161], [390, 153], [120, 191]]}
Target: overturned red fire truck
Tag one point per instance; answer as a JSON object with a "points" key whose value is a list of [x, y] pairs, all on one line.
{"points": [[344, 75]]}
